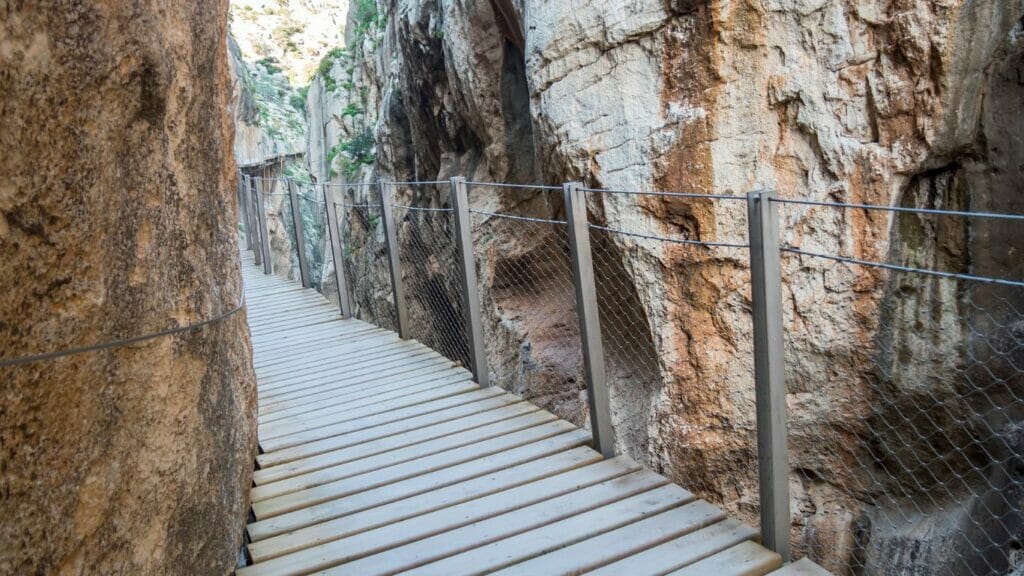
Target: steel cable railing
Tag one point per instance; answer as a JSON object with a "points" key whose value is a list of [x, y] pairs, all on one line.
{"points": [[901, 361]]}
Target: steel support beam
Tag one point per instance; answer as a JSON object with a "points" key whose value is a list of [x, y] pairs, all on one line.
{"points": [[589, 319], [470, 288], [394, 262], [254, 227], [336, 235], [769, 373], [261, 216], [300, 237]]}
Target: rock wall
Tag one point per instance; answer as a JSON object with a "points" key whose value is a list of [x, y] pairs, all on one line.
{"points": [[892, 102], [117, 219]]}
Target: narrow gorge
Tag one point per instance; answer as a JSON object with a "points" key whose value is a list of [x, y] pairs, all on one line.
{"points": [[887, 134], [905, 103]]}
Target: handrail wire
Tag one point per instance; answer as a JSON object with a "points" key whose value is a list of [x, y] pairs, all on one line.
{"points": [[673, 240], [901, 209], [4, 363], [417, 183], [422, 208], [516, 186], [898, 268], [671, 194], [344, 205], [521, 218], [344, 184]]}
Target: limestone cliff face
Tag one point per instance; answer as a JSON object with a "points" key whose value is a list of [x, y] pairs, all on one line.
{"points": [[117, 219], [893, 102]]}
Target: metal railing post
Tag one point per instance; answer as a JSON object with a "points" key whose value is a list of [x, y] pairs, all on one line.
{"points": [[261, 216], [394, 263], [300, 238], [337, 249], [243, 207], [589, 318], [470, 290], [257, 249], [769, 373]]}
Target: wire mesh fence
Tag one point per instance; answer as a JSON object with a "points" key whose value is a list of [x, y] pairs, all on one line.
{"points": [[904, 365], [365, 256], [905, 370], [531, 329], [427, 256], [316, 243], [280, 227], [665, 292]]}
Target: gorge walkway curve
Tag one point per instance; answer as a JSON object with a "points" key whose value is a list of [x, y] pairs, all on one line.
{"points": [[380, 456]]}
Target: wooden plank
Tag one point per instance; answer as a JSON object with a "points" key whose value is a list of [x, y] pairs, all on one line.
{"points": [[677, 552], [328, 348], [339, 334], [745, 559], [331, 352], [400, 454], [294, 382], [430, 481], [422, 503], [505, 512], [281, 430], [312, 447], [272, 466], [509, 551], [376, 478], [802, 567], [381, 445], [340, 385], [408, 373], [382, 390], [392, 558]]}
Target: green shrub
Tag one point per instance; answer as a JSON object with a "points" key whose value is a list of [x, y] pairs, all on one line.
{"points": [[270, 64]]}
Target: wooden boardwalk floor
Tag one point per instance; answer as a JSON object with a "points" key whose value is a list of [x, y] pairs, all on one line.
{"points": [[379, 456]]}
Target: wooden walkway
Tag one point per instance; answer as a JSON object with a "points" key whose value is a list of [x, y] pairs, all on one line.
{"points": [[380, 456]]}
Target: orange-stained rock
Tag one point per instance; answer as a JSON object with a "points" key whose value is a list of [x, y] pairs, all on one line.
{"points": [[117, 218]]}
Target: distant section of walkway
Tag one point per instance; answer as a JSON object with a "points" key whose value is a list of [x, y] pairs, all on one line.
{"points": [[380, 456]]}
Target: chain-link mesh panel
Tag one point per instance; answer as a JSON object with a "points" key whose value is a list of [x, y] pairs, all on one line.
{"points": [[531, 329], [430, 273], [675, 329], [316, 242], [280, 228], [906, 420], [366, 264]]}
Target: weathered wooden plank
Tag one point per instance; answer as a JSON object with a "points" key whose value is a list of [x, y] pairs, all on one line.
{"points": [[422, 503], [415, 485], [412, 373], [286, 428], [745, 559], [269, 471], [408, 469], [509, 511], [293, 382], [362, 350], [402, 453], [382, 390], [508, 551], [389, 557], [677, 552], [310, 437]]}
